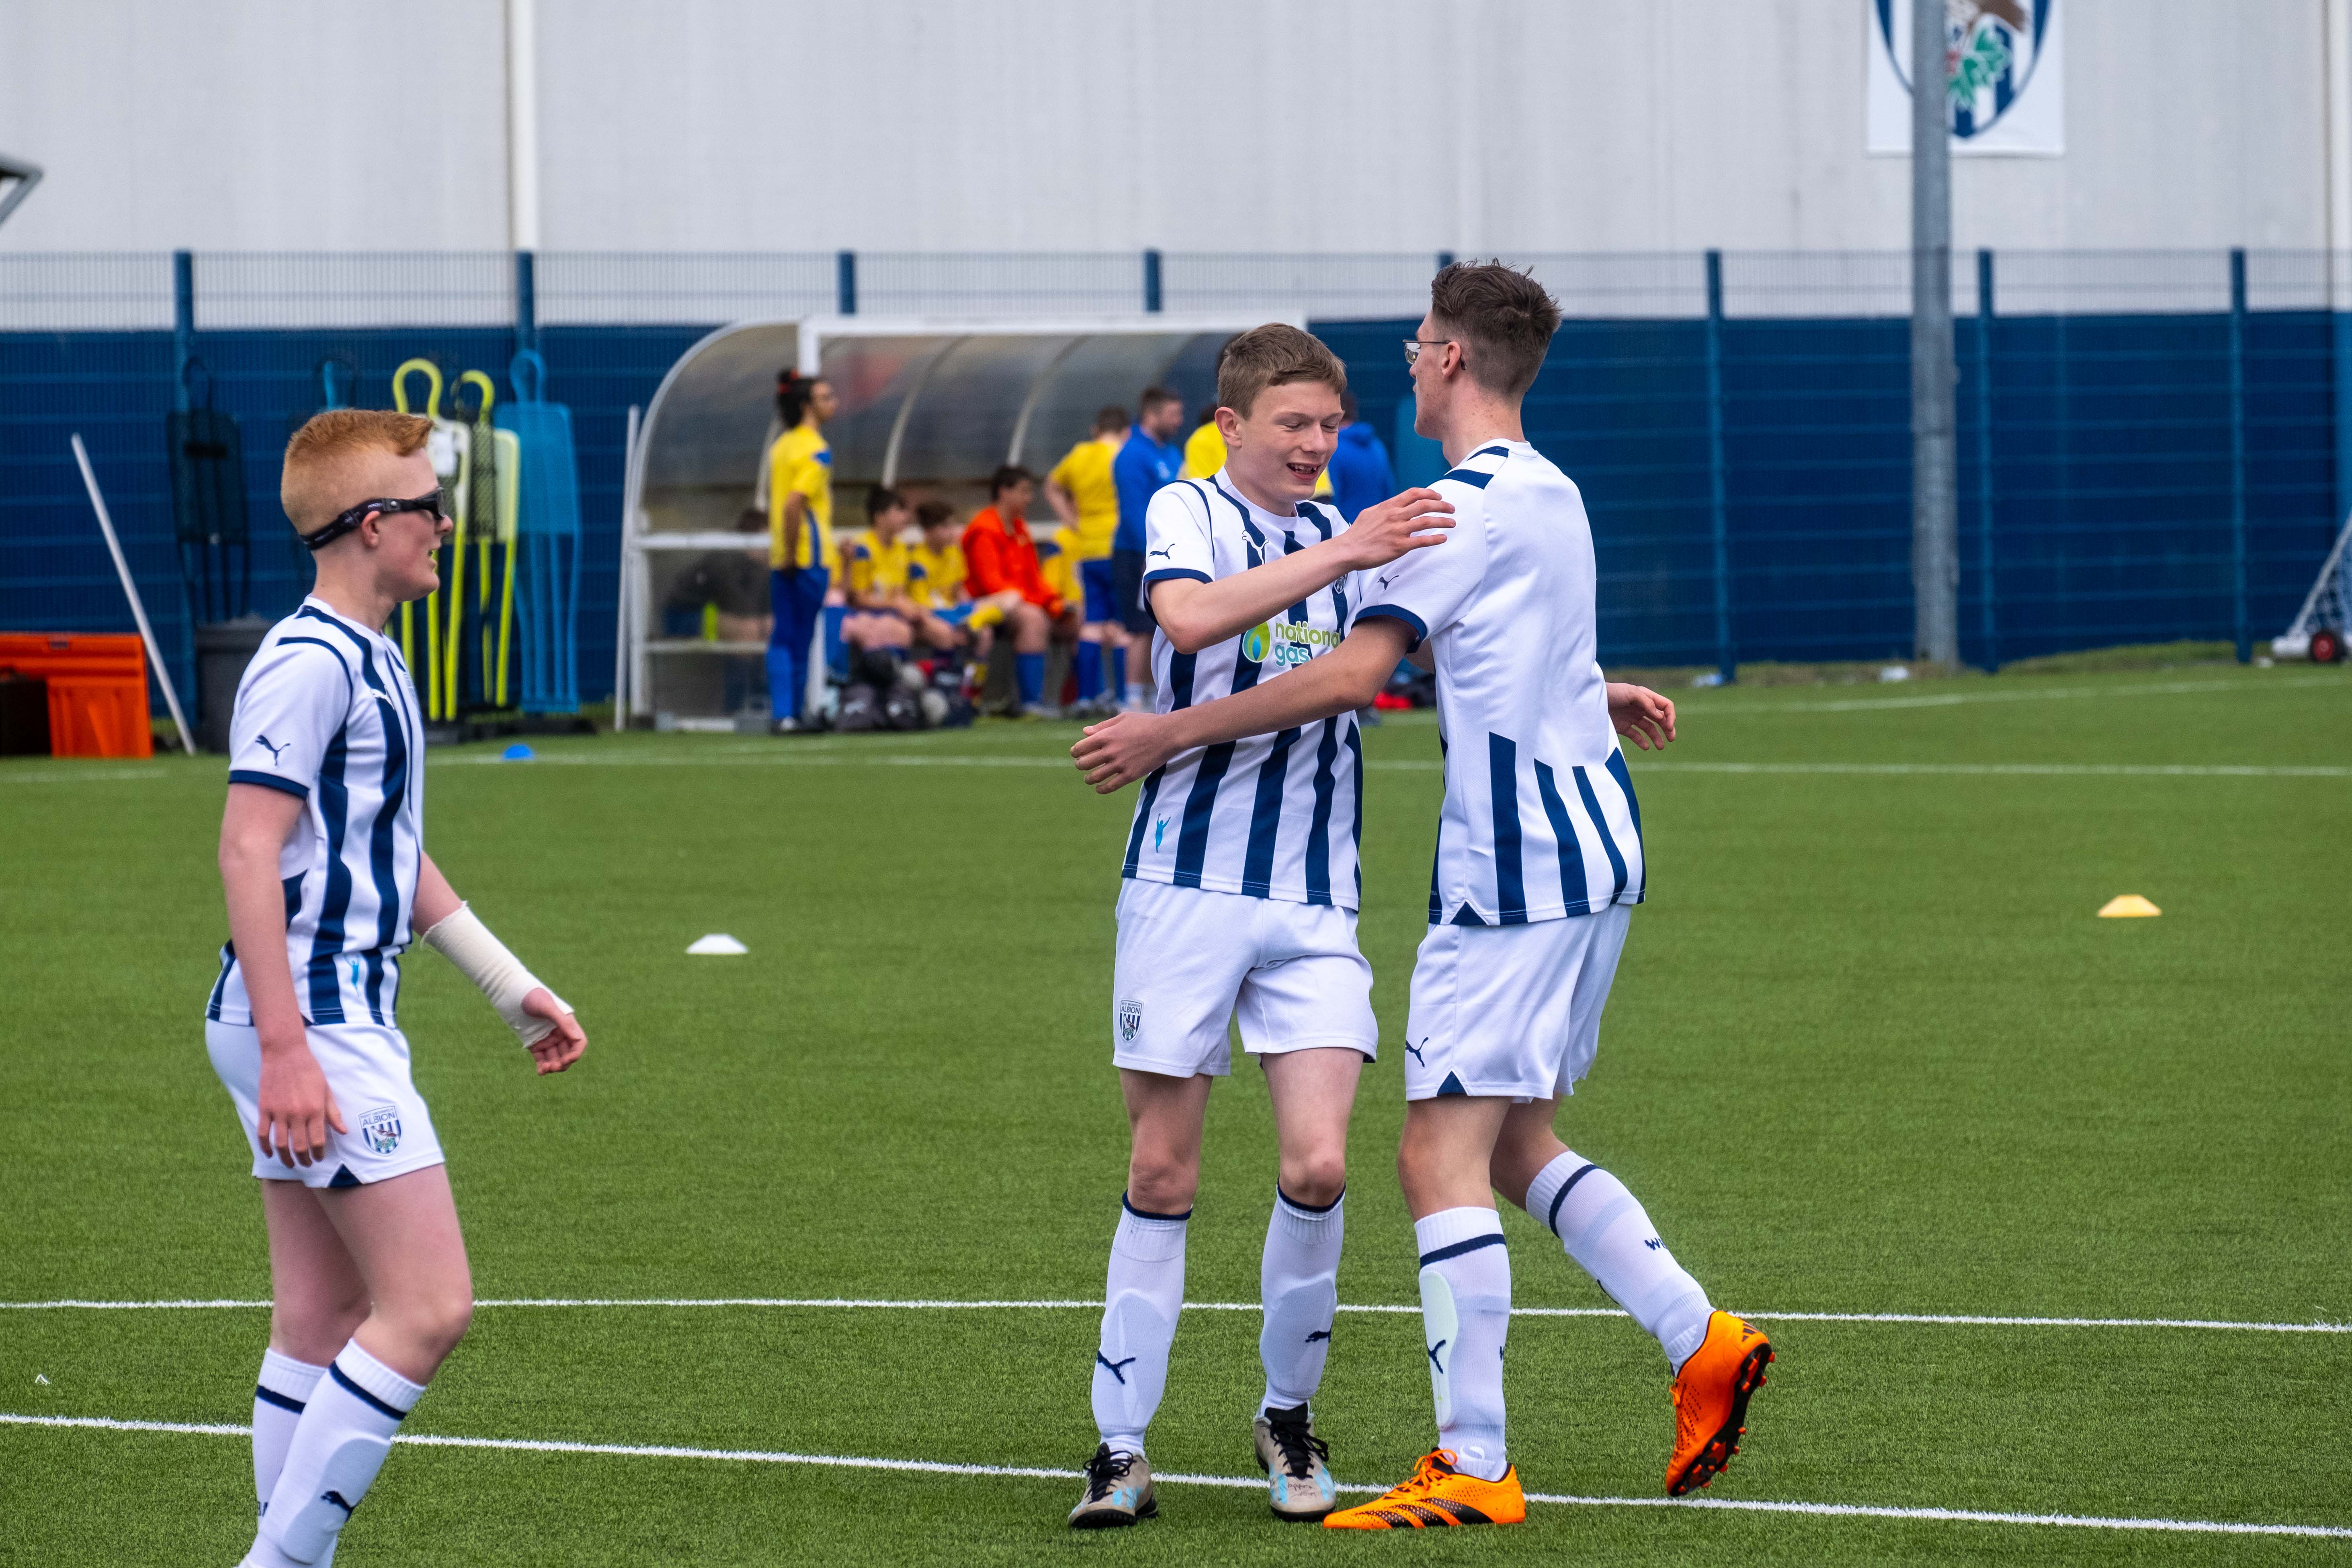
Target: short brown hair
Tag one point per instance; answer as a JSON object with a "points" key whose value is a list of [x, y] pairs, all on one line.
{"points": [[1012, 475], [1156, 398], [1504, 317], [933, 515], [1273, 355], [1110, 417], [324, 447]]}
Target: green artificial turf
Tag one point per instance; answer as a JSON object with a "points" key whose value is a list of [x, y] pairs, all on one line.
{"points": [[1869, 1051]]}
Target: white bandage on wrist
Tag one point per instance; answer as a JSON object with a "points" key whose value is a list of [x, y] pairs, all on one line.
{"points": [[465, 941]]}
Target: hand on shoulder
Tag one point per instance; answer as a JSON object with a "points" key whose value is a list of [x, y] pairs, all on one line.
{"points": [[1413, 520]]}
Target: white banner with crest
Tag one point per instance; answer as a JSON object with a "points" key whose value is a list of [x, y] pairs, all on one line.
{"points": [[2005, 71]]}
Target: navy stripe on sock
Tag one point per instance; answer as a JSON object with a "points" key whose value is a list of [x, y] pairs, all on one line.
{"points": [[397, 1414], [1146, 1214], [1308, 1208], [269, 1395], [1551, 1220], [1492, 1238]]}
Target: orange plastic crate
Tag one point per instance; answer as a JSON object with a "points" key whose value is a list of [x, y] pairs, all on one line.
{"points": [[97, 690]]}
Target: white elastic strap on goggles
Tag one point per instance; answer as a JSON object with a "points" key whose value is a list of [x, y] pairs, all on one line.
{"points": [[465, 941]]}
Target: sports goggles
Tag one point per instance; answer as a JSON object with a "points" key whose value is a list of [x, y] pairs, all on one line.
{"points": [[349, 521]]}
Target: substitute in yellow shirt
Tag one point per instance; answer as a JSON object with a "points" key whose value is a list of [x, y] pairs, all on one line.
{"points": [[879, 572], [1204, 449], [1088, 498], [801, 463]]}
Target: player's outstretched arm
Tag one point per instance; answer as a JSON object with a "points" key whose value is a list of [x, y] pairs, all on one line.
{"points": [[1641, 715], [1127, 746], [1195, 614], [296, 1106], [539, 1018]]}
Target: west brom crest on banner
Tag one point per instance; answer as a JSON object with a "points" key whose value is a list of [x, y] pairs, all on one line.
{"points": [[2004, 75]]}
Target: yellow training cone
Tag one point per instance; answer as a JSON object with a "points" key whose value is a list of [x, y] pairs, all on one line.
{"points": [[2128, 906]]}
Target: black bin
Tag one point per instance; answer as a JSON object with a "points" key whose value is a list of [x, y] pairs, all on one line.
{"points": [[23, 715], [223, 650]]}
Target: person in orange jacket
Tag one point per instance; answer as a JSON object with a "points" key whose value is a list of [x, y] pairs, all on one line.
{"points": [[999, 557]]}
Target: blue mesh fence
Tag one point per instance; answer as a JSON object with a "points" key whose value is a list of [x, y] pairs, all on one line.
{"points": [[2121, 427]]}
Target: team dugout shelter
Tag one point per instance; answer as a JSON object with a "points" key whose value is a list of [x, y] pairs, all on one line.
{"points": [[929, 406]]}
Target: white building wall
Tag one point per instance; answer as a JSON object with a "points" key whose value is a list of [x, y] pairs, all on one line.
{"points": [[1214, 125]]}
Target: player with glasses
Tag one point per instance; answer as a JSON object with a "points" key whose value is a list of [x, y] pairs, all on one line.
{"points": [[323, 865]]}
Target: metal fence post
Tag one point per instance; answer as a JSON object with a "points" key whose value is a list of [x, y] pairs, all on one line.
{"points": [[1726, 661], [526, 301], [1984, 458], [1152, 281], [2238, 456], [2339, 317], [845, 283], [183, 323]]}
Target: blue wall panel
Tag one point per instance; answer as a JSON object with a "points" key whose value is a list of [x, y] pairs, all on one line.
{"points": [[2110, 459], [115, 388]]}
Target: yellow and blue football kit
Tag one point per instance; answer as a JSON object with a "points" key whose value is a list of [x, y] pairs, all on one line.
{"points": [[876, 568], [801, 462], [1086, 474]]}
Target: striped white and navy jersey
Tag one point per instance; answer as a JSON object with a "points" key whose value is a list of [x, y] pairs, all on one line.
{"points": [[325, 714], [1539, 818], [1273, 816]]}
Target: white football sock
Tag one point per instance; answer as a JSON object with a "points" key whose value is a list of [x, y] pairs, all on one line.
{"points": [[277, 1400], [1299, 1282], [1146, 1292], [1610, 1235], [1465, 1312], [336, 1449]]}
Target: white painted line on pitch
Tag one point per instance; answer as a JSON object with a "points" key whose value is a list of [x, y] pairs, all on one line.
{"points": [[887, 1304], [782, 756], [848, 759], [1238, 1483], [1997, 770], [1715, 708]]}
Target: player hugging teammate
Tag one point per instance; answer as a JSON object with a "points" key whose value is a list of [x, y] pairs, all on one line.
{"points": [[1239, 897], [323, 865], [1538, 864]]}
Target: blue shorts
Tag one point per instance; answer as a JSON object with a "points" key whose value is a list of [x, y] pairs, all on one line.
{"points": [[1102, 599], [956, 616]]}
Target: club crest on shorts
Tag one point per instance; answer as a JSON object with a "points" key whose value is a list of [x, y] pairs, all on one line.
{"points": [[1130, 1019], [380, 1129]]}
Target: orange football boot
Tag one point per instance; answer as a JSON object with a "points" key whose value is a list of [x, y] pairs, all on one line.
{"points": [[1711, 1400], [1438, 1494]]}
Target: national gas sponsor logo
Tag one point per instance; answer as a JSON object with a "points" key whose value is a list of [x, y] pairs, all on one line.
{"points": [[1285, 643]]}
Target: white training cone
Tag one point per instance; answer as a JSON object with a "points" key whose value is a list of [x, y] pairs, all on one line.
{"points": [[2127, 906], [718, 943]]}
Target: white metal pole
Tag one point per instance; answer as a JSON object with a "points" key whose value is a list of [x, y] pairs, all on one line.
{"points": [[522, 125], [622, 588], [138, 610]]}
